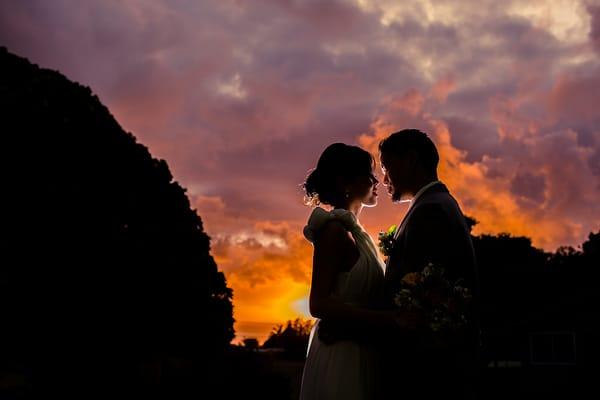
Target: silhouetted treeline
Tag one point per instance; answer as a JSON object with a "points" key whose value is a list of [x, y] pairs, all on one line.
{"points": [[541, 334], [106, 279], [291, 337]]}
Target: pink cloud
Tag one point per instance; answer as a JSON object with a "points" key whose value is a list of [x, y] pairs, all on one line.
{"points": [[442, 88], [575, 96], [594, 12]]}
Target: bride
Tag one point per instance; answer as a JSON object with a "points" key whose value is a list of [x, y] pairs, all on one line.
{"points": [[347, 278]]}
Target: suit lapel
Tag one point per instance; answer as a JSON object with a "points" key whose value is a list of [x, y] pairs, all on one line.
{"points": [[395, 243], [439, 187], [403, 223]]}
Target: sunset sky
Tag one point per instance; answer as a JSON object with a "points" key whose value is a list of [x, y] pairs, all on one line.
{"points": [[240, 97]]}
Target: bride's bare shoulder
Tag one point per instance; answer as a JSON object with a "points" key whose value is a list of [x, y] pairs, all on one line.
{"points": [[334, 236]]}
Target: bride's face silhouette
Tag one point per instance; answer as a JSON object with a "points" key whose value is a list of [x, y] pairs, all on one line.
{"points": [[364, 189]]}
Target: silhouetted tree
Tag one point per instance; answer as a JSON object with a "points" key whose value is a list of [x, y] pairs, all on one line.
{"points": [[526, 290], [251, 344], [105, 267], [292, 337], [471, 222], [509, 275], [591, 248]]}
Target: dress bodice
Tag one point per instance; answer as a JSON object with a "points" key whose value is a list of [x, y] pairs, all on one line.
{"points": [[362, 285]]}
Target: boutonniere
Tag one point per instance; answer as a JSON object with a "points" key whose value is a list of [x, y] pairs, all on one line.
{"points": [[386, 241]]}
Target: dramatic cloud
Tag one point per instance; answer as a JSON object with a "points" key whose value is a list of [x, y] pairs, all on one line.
{"points": [[595, 25], [241, 97]]}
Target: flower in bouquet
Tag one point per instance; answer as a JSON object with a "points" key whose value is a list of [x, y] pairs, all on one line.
{"points": [[386, 241], [444, 302]]}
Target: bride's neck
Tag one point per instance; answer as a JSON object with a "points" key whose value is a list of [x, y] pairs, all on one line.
{"points": [[354, 208]]}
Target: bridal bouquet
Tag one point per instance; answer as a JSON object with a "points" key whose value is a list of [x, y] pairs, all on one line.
{"points": [[444, 302]]}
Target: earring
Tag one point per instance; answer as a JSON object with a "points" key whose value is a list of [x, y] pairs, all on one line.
{"points": [[347, 195]]}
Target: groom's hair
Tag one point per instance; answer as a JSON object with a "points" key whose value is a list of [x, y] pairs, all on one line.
{"points": [[400, 143]]}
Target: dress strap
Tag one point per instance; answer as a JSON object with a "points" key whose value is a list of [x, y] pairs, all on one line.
{"points": [[319, 217]]}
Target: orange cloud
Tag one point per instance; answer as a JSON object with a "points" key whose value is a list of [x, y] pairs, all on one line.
{"points": [[410, 102], [487, 190], [269, 273]]}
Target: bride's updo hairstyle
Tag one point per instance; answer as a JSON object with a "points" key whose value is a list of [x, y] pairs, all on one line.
{"points": [[339, 165]]}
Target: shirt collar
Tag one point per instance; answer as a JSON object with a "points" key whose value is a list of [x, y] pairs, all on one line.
{"points": [[422, 190]]}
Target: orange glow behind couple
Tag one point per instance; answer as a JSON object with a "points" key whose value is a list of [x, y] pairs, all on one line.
{"points": [[241, 99]]}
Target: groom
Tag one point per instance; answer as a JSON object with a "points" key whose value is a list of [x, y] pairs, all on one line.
{"points": [[434, 230]]}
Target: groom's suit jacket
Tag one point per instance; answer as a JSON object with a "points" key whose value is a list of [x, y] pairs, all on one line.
{"points": [[434, 230]]}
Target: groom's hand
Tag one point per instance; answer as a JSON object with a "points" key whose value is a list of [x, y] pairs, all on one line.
{"points": [[409, 320], [328, 332]]}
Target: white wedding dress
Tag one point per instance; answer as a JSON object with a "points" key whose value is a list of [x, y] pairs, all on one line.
{"points": [[346, 369]]}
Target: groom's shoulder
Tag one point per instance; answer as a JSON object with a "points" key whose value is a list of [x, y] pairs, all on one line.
{"points": [[436, 208], [428, 210], [439, 201], [440, 211], [432, 201]]}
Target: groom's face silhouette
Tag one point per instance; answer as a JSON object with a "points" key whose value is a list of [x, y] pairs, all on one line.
{"points": [[398, 175]]}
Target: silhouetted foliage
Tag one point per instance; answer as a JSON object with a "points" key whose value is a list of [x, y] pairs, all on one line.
{"points": [[591, 248], [251, 344], [507, 268], [106, 278], [291, 337], [526, 291], [506, 262], [254, 375], [471, 222]]}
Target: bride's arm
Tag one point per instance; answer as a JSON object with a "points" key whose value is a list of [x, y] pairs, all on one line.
{"points": [[332, 242]]}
